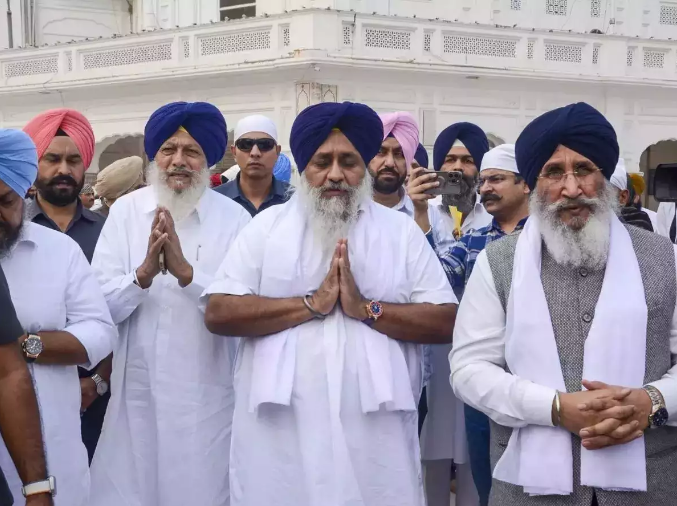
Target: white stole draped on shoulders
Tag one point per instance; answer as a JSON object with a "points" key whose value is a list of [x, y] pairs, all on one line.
{"points": [[292, 268], [540, 458]]}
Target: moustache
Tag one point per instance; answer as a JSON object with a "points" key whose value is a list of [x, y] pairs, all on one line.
{"points": [[62, 180], [179, 171], [392, 172], [490, 197], [568, 203], [333, 186]]}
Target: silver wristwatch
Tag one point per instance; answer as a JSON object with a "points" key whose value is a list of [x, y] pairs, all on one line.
{"points": [[47, 486], [101, 385], [659, 415]]}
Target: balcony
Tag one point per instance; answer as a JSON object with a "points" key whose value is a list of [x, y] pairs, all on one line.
{"points": [[344, 39]]}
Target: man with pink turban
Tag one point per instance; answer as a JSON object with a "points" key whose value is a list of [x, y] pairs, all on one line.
{"points": [[389, 170], [65, 142]]}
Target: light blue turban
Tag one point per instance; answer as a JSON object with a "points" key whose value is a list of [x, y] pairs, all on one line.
{"points": [[18, 160], [282, 169]]}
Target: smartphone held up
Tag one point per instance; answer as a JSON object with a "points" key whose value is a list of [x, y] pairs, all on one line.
{"points": [[449, 183]]}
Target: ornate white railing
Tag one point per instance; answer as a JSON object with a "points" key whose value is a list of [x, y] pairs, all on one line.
{"points": [[321, 35]]}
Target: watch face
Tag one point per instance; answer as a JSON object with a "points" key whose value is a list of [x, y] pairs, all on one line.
{"points": [[376, 309], [659, 418], [102, 388], [33, 346]]}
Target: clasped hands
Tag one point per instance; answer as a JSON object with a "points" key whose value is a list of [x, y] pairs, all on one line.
{"points": [[339, 287], [163, 237], [605, 415]]}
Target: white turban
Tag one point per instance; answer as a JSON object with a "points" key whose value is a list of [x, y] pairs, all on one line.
{"points": [[501, 157], [255, 123], [619, 178]]}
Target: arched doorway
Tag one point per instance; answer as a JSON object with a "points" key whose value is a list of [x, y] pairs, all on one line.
{"points": [[130, 145], [664, 151]]}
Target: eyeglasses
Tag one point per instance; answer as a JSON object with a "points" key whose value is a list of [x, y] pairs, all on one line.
{"points": [[556, 175], [492, 180], [246, 145]]}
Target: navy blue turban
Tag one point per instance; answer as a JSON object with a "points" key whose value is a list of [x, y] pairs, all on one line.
{"points": [[421, 156], [359, 123], [472, 136], [201, 120], [580, 127]]}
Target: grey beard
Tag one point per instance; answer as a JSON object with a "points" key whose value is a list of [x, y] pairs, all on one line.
{"points": [[580, 244], [465, 202], [179, 204], [332, 218]]}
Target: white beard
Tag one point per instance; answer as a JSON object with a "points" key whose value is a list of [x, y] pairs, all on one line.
{"points": [[586, 247], [332, 218], [179, 203]]}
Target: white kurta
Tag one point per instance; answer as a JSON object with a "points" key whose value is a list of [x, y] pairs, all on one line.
{"points": [[54, 288], [325, 412], [166, 435]]}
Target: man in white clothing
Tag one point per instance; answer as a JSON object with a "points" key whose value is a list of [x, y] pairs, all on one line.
{"points": [[66, 322], [630, 213], [333, 295], [567, 334], [166, 435]]}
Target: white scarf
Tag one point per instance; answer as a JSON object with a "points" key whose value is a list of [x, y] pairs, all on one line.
{"points": [[540, 458], [291, 268]]}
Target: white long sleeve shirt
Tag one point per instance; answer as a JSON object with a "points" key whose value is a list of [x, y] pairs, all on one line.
{"points": [[166, 435], [664, 218], [54, 289], [442, 230], [478, 374]]}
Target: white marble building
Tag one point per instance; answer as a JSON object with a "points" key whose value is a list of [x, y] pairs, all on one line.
{"points": [[498, 63]]}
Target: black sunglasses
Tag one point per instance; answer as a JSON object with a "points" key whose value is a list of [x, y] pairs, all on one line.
{"points": [[246, 145]]}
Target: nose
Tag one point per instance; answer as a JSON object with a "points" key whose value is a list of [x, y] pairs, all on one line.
{"points": [[255, 152], [178, 159], [335, 174], [389, 160], [64, 168], [571, 187], [486, 189]]}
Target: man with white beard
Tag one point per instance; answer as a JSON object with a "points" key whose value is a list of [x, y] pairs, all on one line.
{"points": [[577, 299], [166, 435], [332, 295]]}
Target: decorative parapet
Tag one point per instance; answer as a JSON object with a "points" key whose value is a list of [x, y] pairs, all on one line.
{"points": [[323, 36]]}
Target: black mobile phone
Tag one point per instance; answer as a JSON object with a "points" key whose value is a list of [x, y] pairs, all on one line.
{"points": [[450, 183]]}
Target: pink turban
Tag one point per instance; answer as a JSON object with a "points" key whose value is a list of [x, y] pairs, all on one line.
{"points": [[404, 128], [43, 128]]}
